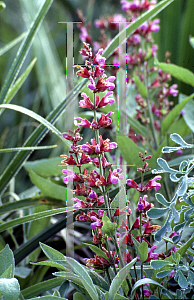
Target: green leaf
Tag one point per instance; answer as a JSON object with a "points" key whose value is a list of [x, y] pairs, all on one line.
{"points": [[49, 263], [69, 276], [143, 251], [137, 126], [188, 112], [29, 202], [50, 188], [156, 213], [27, 148], [160, 198], [149, 281], [37, 289], [177, 72], [52, 254], [182, 281], [37, 135], [173, 114], [49, 298], [38, 118], [14, 89], [45, 167], [23, 50], [9, 288], [134, 25], [12, 43], [119, 278], [108, 228], [7, 273], [163, 274], [84, 277], [2, 6], [78, 296], [140, 86], [7, 260], [191, 41], [97, 250], [33, 217], [157, 264]]}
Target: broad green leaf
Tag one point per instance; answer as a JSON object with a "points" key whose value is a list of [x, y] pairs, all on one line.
{"points": [[149, 281], [8, 273], [78, 296], [45, 167], [157, 264], [14, 89], [69, 276], [108, 228], [173, 114], [191, 40], [140, 86], [137, 126], [119, 278], [98, 251], [129, 151], [98, 280], [37, 289], [156, 213], [22, 220], [27, 148], [12, 43], [23, 50], [9, 288], [179, 140], [22, 272], [52, 254], [134, 25], [6, 260], [49, 188], [84, 276], [2, 6], [38, 118], [179, 73], [143, 251]]}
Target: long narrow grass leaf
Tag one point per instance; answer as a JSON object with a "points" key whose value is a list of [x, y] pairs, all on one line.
{"points": [[23, 50], [10, 45]]}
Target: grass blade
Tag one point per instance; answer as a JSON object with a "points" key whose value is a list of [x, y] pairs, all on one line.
{"points": [[10, 45], [28, 148], [32, 217], [23, 50]]}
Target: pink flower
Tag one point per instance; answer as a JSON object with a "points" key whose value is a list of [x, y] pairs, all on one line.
{"points": [[147, 293], [153, 184], [171, 90], [98, 59], [84, 122], [152, 255], [92, 84], [116, 175], [104, 121], [79, 204], [97, 224], [86, 103], [104, 101]]}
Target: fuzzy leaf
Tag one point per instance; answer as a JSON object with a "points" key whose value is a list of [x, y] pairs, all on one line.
{"points": [[160, 198], [9, 288], [155, 213], [182, 281], [157, 264], [98, 251]]}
